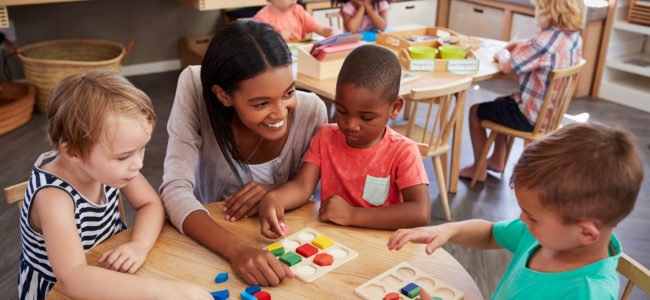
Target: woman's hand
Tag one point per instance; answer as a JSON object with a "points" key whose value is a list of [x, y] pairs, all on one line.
{"points": [[244, 203], [335, 209], [126, 258], [259, 267], [271, 214]]}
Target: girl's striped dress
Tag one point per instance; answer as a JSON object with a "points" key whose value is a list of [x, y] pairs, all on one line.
{"points": [[95, 223]]}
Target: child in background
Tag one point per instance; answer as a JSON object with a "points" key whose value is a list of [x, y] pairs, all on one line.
{"points": [[557, 45], [370, 175], [573, 187], [99, 125], [290, 20], [363, 15]]}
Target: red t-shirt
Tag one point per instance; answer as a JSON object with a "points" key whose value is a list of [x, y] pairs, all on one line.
{"points": [[366, 177]]}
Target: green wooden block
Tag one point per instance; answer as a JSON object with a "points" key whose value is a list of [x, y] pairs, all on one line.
{"points": [[290, 258], [278, 251], [414, 292]]}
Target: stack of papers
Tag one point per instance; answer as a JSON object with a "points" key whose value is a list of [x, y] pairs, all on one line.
{"points": [[337, 46]]}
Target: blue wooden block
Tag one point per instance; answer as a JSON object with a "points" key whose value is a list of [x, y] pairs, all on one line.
{"points": [[221, 277], [246, 296], [220, 295], [405, 290], [253, 289]]}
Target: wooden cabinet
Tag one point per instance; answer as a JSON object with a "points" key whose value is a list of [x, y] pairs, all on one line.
{"points": [[408, 13], [476, 20], [523, 27], [400, 14], [626, 74]]}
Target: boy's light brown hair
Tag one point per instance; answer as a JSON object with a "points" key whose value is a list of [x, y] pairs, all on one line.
{"points": [[583, 172], [79, 105], [565, 14]]}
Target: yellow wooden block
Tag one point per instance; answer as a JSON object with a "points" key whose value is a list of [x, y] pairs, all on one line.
{"points": [[322, 242], [273, 247]]}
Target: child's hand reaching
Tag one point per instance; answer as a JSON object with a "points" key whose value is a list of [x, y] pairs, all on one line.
{"points": [[434, 236], [335, 209], [271, 213], [126, 258]]}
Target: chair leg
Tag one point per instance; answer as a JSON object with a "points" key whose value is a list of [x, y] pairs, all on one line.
{"points": [[440, 176], [483, 159], [511, 140], [407, 109]]}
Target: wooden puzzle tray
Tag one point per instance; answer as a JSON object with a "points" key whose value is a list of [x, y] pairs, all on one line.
{"points": [[403, 276], [310, 254]]}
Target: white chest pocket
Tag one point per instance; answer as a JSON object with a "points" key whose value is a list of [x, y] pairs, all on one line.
{"points": [[375, 191]]}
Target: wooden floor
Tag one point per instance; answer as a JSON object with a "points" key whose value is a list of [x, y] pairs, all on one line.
{"points": [[493, 200]]}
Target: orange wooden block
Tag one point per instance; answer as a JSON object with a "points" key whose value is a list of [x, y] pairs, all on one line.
{"points": [[323, 259]]}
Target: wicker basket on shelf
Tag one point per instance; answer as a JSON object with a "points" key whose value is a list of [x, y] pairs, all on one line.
{"points": [[48, 62], [16, 104], [639, 12]]}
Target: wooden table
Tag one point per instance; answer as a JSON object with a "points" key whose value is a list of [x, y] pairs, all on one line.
{"points": [[487, 69], [176, 256]]}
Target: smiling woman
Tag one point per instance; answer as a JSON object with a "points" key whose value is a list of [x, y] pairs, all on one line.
{"points": [[237, 128]]}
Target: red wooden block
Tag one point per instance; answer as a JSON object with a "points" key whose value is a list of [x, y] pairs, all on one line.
{"points": [[392, 296], [262, 295], [323, 259], [306, 250]]}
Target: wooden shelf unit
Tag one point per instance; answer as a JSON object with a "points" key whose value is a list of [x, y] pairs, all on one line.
{"points": [[625, 77]]}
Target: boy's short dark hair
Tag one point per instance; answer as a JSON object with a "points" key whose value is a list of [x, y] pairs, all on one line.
{"points": [[584, 172], [374, 68]]}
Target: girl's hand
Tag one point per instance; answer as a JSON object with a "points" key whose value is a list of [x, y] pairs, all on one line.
{"points": [[434, 236], [335, 209], [126, 258], [367, 4], [271, 213], [259, 267], [244, 202], [358, 3], [182, 290]]}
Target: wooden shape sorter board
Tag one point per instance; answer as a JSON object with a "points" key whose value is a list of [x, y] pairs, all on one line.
{"points": [[306, 270], [401, 275]]}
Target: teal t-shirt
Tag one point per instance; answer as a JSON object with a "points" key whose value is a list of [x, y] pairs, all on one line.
{"points": [[598, 280]]}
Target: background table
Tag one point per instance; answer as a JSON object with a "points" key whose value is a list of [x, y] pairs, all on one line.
{"points": [[175, 256], [487, 69]]}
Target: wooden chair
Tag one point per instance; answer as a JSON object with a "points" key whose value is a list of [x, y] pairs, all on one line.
{"points": [[433, 137], [635, 273], [564, 81], [16, 194], [335, 20]]}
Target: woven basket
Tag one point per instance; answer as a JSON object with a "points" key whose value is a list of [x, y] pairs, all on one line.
{"points": [[48, 62], [16, 105]]}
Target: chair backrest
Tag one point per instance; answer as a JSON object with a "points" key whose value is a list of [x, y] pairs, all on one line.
{"points": [[636, 274], [559, 92], [16, 194], [335, 20], [433, 137]]}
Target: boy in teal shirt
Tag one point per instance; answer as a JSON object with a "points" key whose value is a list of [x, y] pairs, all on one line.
{"points": [[573, 187]]}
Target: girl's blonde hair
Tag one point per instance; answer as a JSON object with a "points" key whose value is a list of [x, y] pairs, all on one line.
{"points": [[80, 104], [565, 14]]}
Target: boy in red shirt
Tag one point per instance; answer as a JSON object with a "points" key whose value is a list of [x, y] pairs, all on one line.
{"points": [[361, 162]]}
